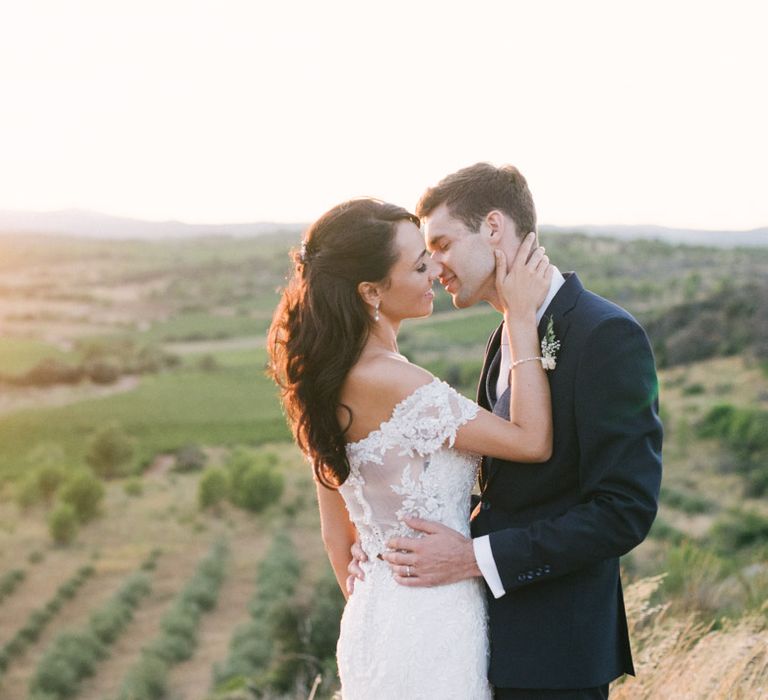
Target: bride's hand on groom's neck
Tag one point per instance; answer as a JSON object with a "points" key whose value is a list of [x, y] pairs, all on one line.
{"points": [[523, 285]]}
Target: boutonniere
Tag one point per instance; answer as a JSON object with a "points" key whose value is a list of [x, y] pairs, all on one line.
{"points": [[549, 347]]}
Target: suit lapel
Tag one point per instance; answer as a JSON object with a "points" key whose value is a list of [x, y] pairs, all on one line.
{"points": [[490, 362], [484, 398]]}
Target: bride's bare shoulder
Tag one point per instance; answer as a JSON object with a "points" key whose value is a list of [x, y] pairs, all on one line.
{"points": [[386, 377], [374, 386]]}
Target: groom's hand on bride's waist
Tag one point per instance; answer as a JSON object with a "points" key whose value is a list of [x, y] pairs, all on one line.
{"points": [[441, 556]]}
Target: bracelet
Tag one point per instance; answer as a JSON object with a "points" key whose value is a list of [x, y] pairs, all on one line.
{"points": [[527, 359]]}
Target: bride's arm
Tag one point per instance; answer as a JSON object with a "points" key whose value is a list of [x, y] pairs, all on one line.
{"points": [[338, 532]]}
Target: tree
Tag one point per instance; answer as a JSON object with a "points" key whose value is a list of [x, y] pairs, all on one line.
{"points": [[212, 488], [84, 492], [110, 452], [62, 523], [189, 458]]}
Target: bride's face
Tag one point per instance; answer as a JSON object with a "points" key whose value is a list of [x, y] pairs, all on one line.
{"points": [[409, 294]]}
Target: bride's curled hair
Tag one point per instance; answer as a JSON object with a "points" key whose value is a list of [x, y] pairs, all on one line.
{"points": [[321, 323]]}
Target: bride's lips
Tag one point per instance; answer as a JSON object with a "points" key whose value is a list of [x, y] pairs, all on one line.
{"points": [[430, 294]]}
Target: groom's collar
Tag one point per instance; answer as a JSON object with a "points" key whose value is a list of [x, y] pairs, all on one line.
{"points": [[560, 304], [555, 283], [563, 301]]}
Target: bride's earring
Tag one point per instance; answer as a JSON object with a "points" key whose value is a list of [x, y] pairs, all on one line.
{"points": [[376, 311]]}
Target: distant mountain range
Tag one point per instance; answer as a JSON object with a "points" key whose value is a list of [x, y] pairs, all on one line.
{"points": [[75, 222], [718, 239]]}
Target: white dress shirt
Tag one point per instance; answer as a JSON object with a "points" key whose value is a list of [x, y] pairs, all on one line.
{"points": [[482, 545]]}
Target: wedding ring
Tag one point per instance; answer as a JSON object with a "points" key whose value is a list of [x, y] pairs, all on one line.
{"points": [[408, 571]]}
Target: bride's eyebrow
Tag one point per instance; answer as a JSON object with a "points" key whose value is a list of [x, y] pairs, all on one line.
{"points": [[423, 253]]}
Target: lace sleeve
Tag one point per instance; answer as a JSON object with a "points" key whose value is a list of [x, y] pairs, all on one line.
{"points": [[429, 417]]}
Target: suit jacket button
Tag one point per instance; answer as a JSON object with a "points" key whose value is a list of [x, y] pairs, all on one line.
{"points": [[486, 505]]}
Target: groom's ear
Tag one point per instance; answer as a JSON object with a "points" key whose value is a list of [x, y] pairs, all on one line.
{"points": [[369, 293], [494, 224]]}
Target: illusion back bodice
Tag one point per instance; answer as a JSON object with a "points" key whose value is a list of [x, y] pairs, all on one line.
{"points": [[408, 467]]}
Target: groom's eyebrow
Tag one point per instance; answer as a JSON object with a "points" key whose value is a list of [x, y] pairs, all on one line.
{"points": [[434, 242]]}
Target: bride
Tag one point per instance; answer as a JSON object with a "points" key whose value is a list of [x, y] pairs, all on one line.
{"points": [[388, 440]]}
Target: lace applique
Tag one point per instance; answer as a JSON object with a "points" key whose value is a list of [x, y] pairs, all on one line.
{"points": [[420, 423], [419, 497]]}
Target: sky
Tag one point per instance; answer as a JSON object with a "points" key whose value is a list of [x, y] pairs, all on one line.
{"points": [[229, 110]]}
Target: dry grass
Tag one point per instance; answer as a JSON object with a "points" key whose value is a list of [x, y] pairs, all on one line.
{"points": [[680, 658]]}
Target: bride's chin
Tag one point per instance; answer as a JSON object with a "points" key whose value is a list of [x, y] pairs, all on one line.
{"points": [[426, 313]]}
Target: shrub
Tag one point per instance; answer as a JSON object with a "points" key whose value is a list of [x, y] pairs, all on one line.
{"points": [[78, 653], [261, 486], [27, 492], [108, 621], [756, 485], [39, 617], [84, 492], [254, 482], [179, 625], [49, 478], [689, 503], [692, 575], [110, 452], [189, 458], [134, 486], [254, 643], [50, 371], [9, 582], [739, 530], [212, 488], [151, 561], [662, 530], [35, 556], [693, 389], [147, 680], [325, 616], [102, 371], [73, 655], [62, 523], [744, 430], [208, 363]]}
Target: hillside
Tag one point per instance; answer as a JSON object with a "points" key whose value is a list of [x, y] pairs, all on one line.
{"points": [[159, 346]]}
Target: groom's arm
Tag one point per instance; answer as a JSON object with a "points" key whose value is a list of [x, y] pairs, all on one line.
{"points": [[619, 435]]}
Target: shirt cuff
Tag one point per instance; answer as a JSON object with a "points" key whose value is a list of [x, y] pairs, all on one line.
{"points": [[487, 566]]}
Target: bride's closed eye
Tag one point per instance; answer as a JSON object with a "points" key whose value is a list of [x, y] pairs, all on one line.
{"points": [[422, 268]]}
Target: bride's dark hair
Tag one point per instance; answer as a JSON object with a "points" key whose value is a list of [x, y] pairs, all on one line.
{"points": [[321, 323]]}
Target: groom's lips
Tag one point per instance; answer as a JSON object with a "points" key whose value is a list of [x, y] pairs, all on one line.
{"points": [[447, 282]]}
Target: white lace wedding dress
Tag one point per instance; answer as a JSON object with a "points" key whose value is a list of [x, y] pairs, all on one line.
{"points": [[397, 642]]}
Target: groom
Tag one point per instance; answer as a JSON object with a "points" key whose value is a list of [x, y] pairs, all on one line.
{"points": [[546, 537]]}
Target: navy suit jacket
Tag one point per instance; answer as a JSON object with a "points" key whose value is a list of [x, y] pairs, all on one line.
{"points": [[557, 529]]}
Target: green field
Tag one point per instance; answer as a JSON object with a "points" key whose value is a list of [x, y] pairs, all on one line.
{"points": [[233, 404], [17, 355]]}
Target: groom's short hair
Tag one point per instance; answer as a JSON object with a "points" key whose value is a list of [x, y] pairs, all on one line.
{"points": [[470, 193]]}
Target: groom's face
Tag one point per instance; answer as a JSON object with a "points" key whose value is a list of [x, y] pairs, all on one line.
{"points": [[466, 257]]}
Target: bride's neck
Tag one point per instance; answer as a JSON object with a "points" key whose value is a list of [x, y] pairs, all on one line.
{"points": [[384, 336]]}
